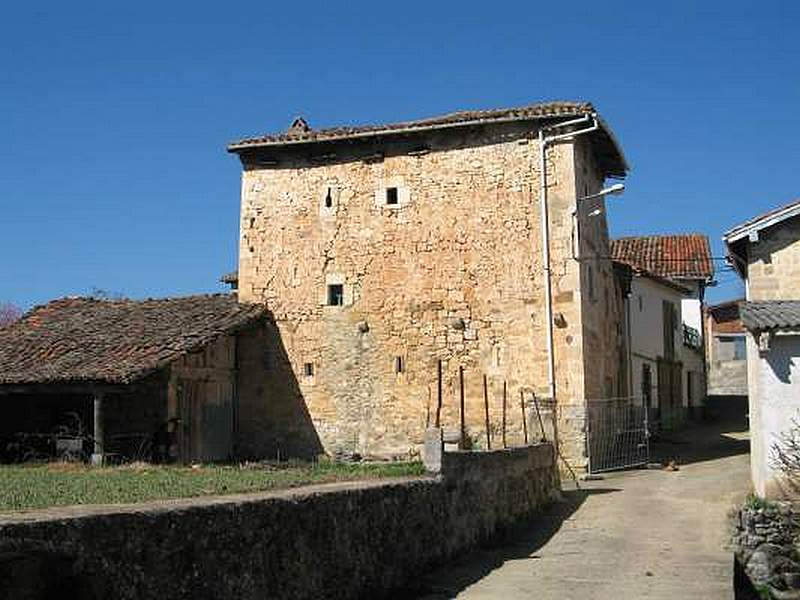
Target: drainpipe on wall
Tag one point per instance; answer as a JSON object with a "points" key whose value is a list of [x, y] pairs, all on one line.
{"points": [[544, 142]]}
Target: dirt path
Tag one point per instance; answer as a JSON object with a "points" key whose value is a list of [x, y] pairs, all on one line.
{"points": [[637, 534]]}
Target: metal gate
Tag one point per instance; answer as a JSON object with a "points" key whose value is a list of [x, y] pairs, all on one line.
{"points": [[617, 434]]}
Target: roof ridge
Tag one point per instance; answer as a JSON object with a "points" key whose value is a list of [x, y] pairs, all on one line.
{"points": [[455, 116]]}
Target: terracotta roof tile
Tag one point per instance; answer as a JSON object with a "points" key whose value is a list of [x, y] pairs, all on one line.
{"points": [[684, 256], [305, 133], [299, 132], [114, 341]]}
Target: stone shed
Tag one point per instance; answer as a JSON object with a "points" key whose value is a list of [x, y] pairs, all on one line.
{"points": [[173, 379]]}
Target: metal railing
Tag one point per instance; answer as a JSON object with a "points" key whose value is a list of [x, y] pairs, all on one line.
{"points": [[691, 337]]}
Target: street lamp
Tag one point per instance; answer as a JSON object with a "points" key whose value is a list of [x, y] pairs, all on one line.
{"points": [[614, 190]]}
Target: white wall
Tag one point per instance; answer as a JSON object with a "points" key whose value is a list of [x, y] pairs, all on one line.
{"points": [[647, 314], [647, 337], [774, 382]]}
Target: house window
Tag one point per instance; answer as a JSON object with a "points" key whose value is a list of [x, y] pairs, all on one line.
{"points": [[732, 347], [399, 364], [392, 197], [740, 350], [308, 369], [328, 199], [335, 294]]}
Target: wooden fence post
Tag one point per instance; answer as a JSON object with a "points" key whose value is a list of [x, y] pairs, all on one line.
{"points": [[461, 400], [524, 420], [438, 422], [486, 413], [504, 414]]}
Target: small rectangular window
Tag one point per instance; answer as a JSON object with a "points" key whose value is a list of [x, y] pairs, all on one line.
{"points": [[336, 294], [399, 364], [308, 369], [391, 195]]}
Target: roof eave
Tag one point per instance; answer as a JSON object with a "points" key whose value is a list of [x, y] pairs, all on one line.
{"points": [[236, 147], [744, 230], [244, 145]]}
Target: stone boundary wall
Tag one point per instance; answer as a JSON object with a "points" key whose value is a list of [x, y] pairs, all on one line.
{"points": [[765, 546], [347, 540]]}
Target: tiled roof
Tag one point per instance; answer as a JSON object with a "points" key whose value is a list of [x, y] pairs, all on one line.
{"points": [[299, 132], [113, 341], [767, 219], [773, 314], [725, 317], [685, 256]]}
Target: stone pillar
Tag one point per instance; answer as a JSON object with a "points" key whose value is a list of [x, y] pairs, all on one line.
{"points": [[434, 449], [98, 432]]}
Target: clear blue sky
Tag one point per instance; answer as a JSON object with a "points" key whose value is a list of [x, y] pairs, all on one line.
{"points": [[113, 119]]}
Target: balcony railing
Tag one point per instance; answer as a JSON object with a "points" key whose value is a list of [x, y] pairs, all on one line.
{"points": [[691, 337]]}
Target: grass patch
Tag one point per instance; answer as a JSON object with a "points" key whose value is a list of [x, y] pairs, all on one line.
{"points": [[62, 484], [755, 502]]}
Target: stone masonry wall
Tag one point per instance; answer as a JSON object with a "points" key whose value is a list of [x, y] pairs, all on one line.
{"points": [[773, 271], [765, 544], [350, 540], [452, 272]]}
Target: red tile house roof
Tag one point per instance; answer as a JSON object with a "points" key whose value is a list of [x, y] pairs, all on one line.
{"points": [[673, 257], [300, 133], [114, 341], [725, 317]]}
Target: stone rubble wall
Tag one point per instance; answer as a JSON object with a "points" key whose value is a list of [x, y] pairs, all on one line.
{"points": [[348, 540], [453, 272], [765, 544]]}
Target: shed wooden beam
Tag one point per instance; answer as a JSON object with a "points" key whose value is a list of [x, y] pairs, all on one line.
{"points": [[98, 432]]}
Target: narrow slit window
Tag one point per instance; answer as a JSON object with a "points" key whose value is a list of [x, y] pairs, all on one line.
{"points": [[336, 294], [328, 199], [308, 369], [399, 364], [392, 197]]}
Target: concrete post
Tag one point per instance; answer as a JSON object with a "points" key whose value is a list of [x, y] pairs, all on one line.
{"points": [[98, 433], [433, 450]]}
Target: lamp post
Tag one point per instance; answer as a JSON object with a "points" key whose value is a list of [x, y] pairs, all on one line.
{"points": [[614, 190]]}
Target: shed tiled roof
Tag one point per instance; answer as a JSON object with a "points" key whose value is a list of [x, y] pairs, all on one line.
{"points": [[299, 132], [114, 341], [683, 256], [773, 314]]}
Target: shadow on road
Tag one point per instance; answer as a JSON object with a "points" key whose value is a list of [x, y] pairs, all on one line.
{"points": [[701, 442], [522, 543]]}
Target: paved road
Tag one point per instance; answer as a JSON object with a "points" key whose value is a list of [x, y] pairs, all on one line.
{"points": [[637, 534]]}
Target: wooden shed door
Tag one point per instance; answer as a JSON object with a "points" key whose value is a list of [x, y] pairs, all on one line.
{"points": [[206, 410]]}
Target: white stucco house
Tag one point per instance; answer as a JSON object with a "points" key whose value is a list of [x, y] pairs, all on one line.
{"points": [[664, 321], [766, 252]]}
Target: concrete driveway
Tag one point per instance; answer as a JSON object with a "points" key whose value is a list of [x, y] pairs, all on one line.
{"points": [[634, 534]]}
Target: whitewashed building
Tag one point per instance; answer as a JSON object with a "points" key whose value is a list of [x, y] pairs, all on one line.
{"points": [[664, 321], [766, 252]]}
